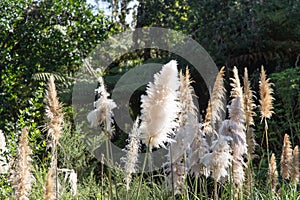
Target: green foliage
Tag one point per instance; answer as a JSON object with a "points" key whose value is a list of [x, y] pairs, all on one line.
{"points": [[43, 36], [287, 107]]}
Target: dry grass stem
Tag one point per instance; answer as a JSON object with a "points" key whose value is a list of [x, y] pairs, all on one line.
{"points": [[273, 173], [50, 185], [22, 177]]}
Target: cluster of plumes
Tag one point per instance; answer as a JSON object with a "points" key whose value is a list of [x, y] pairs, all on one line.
{"points": [[160, 107], [237, 117], [132, 151], [103, 107], [22, 177], [3, 161], [178, 160], [219, 160], [289, 164]]}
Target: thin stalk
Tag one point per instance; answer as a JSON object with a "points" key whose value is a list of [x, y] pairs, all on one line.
{"points": [[143, 169], [172, 175], [267, 143], [108, 153], [102, 174], [196, 189], [215, 190]]}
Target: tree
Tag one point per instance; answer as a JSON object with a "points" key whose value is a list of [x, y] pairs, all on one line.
{"points": [[41, 36]]}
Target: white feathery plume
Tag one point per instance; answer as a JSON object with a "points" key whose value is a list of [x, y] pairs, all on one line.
{"points": [[235, 128], [160, 107], [237, 90], [218, 98], [199, 148], [103, 108], [177, 155], [176, 178], [186, 93], [132, 150], [220, 158], [3, 162]]}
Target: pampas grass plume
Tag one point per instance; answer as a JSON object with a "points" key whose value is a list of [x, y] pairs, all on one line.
{"points": [[160, 107], [132, 150], [22, 176], [249, 104], [273, 173], [266, 99], [286, 158], [53, 112], [103, 108]]}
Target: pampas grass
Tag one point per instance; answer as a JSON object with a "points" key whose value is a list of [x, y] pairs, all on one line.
{"points": [[266, 99], [273, 173], [266, 103], [22, 177], [160, 107], [103, 109], [54, 127], [50, 186], [286, 158], [132, 150], [188, 122]]}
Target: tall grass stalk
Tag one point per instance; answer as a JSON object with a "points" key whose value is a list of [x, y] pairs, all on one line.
{"points": [[143, 170], [22, 177], [54, 127], [266, 103]]}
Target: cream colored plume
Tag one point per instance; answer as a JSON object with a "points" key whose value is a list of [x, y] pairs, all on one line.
{"points": [[220, 158], [266, 99], [273, 173], [286, 158], [237, 90], [22, 177], [103, 109], [160, 107], [186, 93], [132, 151], [216, 107], [249, 104], [53, 112]]}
